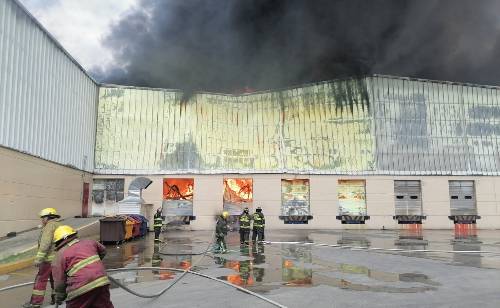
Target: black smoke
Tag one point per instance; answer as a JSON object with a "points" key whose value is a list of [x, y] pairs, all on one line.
{"points": [[225, 45]]}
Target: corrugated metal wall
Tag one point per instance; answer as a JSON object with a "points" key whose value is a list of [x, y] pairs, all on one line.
{"points": [[47, 103], [431, 127], [321, 128]]}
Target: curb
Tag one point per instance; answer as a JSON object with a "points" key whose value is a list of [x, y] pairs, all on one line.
{"points": [[27, 262], [14, 266]]}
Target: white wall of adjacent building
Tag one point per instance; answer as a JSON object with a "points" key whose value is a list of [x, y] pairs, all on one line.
{"points": [[47, 101], [47, 123]]}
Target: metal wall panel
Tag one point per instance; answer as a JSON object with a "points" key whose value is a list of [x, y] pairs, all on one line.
{"points": [[408, 196], [47, 102], [377, 125], [430, 127]]}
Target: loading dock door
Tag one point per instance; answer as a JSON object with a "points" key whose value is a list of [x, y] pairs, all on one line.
{"points": [[408, 195], [352, 197], [462, 198]]}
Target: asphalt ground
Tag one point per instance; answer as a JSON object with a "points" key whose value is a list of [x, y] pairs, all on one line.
{"points": [[370, 268]]}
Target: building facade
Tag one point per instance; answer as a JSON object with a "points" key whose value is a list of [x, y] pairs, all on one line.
{"points": [[371, 152]]}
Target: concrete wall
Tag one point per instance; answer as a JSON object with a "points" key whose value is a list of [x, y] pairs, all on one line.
{"points": [[208, 191], [29, 184]]}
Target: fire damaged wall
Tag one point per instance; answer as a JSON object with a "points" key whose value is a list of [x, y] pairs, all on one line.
{"points": [[320, 128], [374, 125]]}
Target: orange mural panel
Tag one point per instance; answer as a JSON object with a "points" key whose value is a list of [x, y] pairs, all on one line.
{"points": [[238, 194]]}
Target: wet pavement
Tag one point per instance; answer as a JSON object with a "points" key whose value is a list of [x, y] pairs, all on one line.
{"points": [[366, 268]]}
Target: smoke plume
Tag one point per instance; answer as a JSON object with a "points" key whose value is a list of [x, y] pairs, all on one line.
{"points": [[226, 45]]}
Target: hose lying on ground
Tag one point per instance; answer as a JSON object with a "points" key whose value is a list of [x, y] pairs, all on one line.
{"points": [[193, 273], [184, 273], [164, 290], [385, 249]]}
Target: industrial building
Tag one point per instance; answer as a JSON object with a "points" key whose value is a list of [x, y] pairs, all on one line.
{"points": [[368, 152]]}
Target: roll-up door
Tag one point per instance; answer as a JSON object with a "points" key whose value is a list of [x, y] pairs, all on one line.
{"points": [[408, 195], [462, 198]]}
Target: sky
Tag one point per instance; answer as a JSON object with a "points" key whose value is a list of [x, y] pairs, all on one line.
{"points": [[228, 45], [81, 26]]}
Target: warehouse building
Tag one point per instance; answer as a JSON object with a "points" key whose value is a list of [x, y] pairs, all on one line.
{"points": [[371, 152]]}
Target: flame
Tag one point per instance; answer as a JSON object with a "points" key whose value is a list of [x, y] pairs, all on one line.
{"points": [[288, 264], [176, 189], [239, 189]]}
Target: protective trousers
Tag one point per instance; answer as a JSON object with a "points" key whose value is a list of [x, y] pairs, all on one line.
{"points": [[96, 298], [157, 233], [44, 274], [258, 232], [244, 235], [221, 242]]}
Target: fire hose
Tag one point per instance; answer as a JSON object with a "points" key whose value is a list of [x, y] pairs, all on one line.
{"points": [[163, 291]]}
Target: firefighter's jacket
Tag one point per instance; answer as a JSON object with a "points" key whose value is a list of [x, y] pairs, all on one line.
{"points": [[158, 220], [221, 228], [245, 221], [78, 268], [45, 251], [259, 221]]}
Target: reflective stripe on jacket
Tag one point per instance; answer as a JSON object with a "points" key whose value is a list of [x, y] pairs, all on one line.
{"points": [[78, 268], [245, 221], [45, 251], [258, 220], [158, 220]]}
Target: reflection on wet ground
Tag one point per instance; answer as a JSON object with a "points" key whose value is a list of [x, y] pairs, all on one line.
{"points": [[264, 268], [268, 267]]}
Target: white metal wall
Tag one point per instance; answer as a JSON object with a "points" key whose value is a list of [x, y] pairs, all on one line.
{"points": [[47, 102]]}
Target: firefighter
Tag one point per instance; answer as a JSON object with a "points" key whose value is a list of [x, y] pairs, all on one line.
{"points": [[79, 274], [259, 223], [44, 258], [245, 219], [157, 225], [221, 231]]}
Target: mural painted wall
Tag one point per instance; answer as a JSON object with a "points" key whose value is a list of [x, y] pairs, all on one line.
{"points": [[295, 197], [238, 194], [178, 197], [352, 197]]}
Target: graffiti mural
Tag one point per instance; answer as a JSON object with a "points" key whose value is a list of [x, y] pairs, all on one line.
{"points": [[352, 197], [294, 197], [178, 197], [238, 194]]}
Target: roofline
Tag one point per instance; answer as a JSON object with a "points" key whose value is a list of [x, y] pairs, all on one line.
{"points": [[469, 84], [54, 40], [309, 84], [111, 85]]}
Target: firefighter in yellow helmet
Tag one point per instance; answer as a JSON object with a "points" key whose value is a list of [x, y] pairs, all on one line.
{"points": [[221, 231], [44, 258], [79, 274]]}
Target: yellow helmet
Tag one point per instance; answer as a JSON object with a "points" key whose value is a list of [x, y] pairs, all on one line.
{"points": [[48, 212], [225, 214], [63, 232]]}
